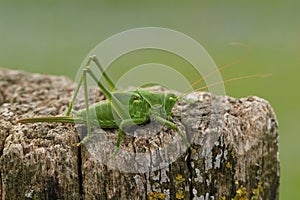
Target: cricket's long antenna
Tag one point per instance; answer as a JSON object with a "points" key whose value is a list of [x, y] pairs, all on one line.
{"points": [[62, 119], [245, 57], [228, 80]]}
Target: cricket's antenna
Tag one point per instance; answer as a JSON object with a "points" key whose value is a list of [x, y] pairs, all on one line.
{"points": [[243, 58], [228, 80]]}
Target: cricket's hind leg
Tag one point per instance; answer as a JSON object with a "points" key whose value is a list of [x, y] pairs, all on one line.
{"points": [[87, 109], [106, 92], [104, 74], [83, 80]]}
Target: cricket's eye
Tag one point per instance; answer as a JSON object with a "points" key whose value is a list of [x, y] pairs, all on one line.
{"points": [[136, 98]]}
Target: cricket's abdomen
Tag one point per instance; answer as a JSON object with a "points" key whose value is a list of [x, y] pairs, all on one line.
{"points": [[100, 114]]}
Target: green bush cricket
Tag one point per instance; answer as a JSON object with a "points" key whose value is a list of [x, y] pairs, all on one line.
{"points": [[120, 109]]}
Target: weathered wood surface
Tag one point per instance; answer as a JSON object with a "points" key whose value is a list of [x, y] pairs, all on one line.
{"points": [[234, 151]]}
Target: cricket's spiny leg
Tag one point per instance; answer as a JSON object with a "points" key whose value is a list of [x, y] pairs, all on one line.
{"points": [[74, 96], [126, 122], [84, 81], [86, 99], [76, 90], [108, 80], [118, 108], [172, 126], [87, 110], [105, 91]]}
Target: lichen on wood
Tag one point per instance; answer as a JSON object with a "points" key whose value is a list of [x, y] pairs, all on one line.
{"points": [[234, 152]]}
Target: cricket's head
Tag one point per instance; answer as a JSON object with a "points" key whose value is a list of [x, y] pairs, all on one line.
{"points": [[164, 101], [138, 106]]}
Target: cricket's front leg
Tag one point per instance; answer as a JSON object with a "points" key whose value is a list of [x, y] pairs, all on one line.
{"points": [[172, 126], [124, 123]]}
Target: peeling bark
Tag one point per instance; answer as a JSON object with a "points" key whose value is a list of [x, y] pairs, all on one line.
{"points": [[234, 152]]}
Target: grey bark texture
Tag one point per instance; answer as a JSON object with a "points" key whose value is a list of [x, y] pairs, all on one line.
{"points": [[234, 152]]}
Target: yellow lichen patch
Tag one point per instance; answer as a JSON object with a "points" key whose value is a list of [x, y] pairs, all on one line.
{"points": [[241, 194], [156, 184], [222, 198], [180, 194], [228, 165], [256, 191], [156, 196], [232, 154], [179, 179]]}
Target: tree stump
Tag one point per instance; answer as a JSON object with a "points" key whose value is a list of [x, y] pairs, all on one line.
{"points": [[234, 152]]}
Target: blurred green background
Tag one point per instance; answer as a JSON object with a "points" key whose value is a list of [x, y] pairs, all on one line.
{"points": [[53, 37]]}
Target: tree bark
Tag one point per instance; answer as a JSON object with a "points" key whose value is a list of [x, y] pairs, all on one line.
{"points": [[234, 151]]}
